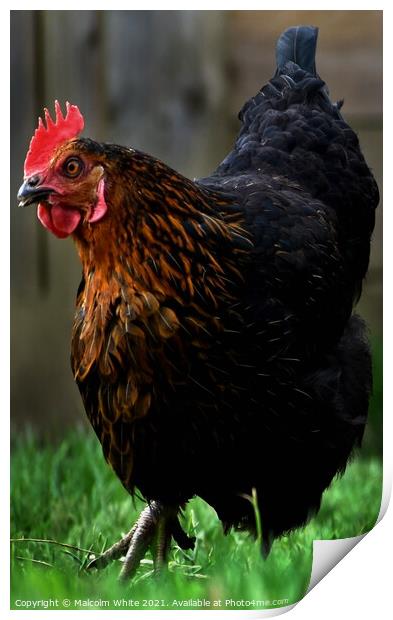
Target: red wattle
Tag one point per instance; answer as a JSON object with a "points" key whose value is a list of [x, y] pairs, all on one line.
{"points": [[60, 221]]}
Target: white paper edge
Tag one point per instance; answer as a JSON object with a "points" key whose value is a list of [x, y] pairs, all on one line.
{"points": [[328, 553], [318, 550]]}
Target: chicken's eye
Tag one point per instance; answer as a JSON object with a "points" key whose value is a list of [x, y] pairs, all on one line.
{"points": [[72, 167]]}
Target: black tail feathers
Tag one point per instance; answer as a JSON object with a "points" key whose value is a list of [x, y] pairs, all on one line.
{"points": [[298, 45]]}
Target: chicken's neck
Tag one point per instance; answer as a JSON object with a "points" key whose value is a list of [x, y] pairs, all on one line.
{"points": [[150, 260]]}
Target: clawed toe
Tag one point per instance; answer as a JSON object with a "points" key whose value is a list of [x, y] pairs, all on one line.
{"points": [[154, 529], [113, 553]]}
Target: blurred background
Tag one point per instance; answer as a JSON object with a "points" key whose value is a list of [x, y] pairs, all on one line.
{"points": [[169, 83]]}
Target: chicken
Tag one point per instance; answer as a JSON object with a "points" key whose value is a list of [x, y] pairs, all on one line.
{"points": [[214, 343]]}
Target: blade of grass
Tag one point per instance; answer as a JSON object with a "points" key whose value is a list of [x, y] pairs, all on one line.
{"points": [[19, 557], [50, 542], [258, 523]]}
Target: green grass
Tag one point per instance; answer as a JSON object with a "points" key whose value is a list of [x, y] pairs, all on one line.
{"points": [[68, 494]]}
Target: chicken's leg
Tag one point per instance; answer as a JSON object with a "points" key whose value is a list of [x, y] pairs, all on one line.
{"points": [[155, 527]]}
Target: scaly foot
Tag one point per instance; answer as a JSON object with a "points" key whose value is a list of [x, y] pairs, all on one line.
{"points": [[155, 527]]}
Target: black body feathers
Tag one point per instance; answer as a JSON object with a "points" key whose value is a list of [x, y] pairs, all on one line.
{"points": [[227, 356], [309, 199]]}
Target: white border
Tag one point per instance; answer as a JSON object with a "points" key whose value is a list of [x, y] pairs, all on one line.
{"points": [[359, 585]]}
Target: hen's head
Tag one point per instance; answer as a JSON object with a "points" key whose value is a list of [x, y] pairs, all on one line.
{"points": [[61, 176]]}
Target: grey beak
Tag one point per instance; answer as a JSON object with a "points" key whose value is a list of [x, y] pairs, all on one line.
{"points": [[31, 192]]}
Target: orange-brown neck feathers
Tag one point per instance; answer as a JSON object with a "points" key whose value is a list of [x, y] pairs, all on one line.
{"points": [[163, 245], [160, 229]]}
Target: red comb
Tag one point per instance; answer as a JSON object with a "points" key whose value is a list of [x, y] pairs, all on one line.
{"points": [[47, 139]]}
